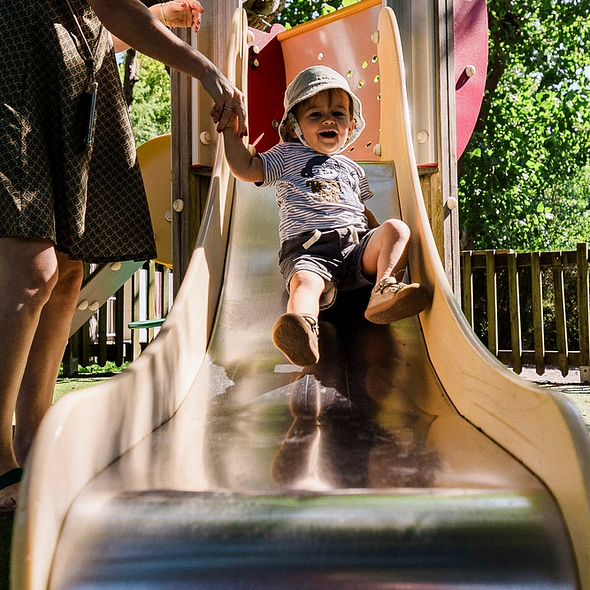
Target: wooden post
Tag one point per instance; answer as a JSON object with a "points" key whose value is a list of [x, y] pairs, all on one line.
{"points": [[538, 325], [514, 303], [427, 30], [560, 321], [193, 134], [447, 146], [492, 305], [583, 311], [181, 153]]}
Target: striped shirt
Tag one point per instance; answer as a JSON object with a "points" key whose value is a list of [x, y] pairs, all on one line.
{"points": [[315, 191]]}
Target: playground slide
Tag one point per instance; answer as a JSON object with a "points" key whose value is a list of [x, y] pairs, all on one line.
{"points": [[407, 458]]}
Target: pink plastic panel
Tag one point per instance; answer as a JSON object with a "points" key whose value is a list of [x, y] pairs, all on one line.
{"points": [[471, 62], [342, 40]]}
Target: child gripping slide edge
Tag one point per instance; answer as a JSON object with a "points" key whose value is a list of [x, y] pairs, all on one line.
{"points": [[329, 240]]}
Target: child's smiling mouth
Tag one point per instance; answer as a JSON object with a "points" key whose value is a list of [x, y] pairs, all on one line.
{"points": [[329, 134]]}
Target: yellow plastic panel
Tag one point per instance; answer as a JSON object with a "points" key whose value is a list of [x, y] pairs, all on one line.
{"points": [[154, 161]]}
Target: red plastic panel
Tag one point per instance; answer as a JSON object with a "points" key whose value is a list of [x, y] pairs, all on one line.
{"points": [[266, 87], [471, 62]]}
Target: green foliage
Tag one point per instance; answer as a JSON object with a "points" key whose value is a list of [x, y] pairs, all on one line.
{"points": [[150, 110], [300, 11], [524, 175]]}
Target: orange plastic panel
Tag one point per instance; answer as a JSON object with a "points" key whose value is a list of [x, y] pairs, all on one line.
{"points": [[343, 40]]}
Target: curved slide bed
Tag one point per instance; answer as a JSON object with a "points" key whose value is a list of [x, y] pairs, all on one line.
{"points": [[408, 458]]}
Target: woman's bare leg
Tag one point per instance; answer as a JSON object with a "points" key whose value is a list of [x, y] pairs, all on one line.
{"points": [[29, 275], [38, 383]]}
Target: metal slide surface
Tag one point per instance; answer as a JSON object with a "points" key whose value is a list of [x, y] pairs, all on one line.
{"points": [[355, 473], [407, 459]]}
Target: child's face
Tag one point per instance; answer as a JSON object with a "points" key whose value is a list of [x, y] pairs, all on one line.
{"points": [[325, 121]]}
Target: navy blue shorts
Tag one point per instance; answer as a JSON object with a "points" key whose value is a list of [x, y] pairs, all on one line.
{"points": [[336, 256]]}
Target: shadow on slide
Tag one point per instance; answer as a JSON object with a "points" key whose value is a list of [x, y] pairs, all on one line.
{"points": [[407, 458]]}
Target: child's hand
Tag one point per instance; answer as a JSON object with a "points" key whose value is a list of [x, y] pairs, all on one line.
{"points": [[232, 123], [184, 14]]}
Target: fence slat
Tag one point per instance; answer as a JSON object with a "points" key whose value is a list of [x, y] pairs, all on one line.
{"points": [[514, 303], [70, 358], [467, 289], [492, 302], [151, 296], [165, 290], [135, 289], [560, 322], [102, 335], [84, 358], [538, 325], [583, 306], [119, 326]]}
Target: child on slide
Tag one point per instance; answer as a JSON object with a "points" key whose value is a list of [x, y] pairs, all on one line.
{"points": [[329, 240]]}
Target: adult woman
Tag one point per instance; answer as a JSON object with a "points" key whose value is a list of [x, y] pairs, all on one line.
{"points": [[70, 188]]}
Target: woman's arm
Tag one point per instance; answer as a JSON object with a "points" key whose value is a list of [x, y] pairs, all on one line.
{"points": [[172, 14], [133, 23]]}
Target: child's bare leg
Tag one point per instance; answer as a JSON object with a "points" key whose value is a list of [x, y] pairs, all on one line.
{"points": [[386, 257], [386, 253], [295, 333], [305, 290]]}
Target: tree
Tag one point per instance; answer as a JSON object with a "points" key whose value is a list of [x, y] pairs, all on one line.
{"points": [[296, 12], [150, 109], [524, 175]]}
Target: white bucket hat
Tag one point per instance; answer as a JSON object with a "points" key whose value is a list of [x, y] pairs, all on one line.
{"points": [[307, 84]]}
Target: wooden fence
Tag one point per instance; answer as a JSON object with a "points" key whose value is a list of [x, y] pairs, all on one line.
{"points": [[530, 308], [144, 299]]}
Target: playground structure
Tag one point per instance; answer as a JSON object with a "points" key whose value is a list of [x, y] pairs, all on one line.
{"points": [[409, 457]]}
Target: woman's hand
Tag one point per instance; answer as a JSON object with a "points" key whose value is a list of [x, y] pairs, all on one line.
{"points": [[182, 14], [228, 102]]}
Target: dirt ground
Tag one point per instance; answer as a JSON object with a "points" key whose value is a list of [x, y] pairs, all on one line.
{"points": [[578, 393]]}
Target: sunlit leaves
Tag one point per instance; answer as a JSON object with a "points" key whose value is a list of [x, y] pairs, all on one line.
{"points": [[524, 175]]}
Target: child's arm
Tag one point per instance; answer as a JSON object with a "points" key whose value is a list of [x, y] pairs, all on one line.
{"points": [[371, 218], [242, 163]]}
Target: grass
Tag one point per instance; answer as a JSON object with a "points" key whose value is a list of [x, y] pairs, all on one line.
{"points": [[86, 377]]}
